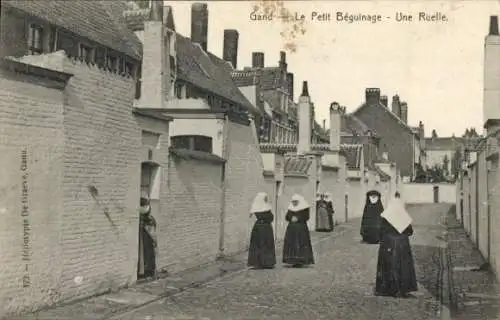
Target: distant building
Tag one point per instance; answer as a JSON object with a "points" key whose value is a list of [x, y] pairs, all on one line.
{"points": [[271, 89], [396, 137]]}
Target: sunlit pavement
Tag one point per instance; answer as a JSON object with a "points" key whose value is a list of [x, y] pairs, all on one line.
{"points": [[339, 286]]}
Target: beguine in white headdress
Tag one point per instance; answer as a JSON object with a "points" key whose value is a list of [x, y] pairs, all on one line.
{"points": [[298, 203], [396, 215], [260, 203]]}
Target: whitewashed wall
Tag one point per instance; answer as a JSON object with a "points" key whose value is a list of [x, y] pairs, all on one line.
{"points": [[424, 192]]}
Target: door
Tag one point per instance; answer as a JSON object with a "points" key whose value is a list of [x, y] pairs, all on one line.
{"points": [[436, 194], [148, 173]]}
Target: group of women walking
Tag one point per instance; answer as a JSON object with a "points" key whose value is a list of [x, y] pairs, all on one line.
{"points": [[297, 247], [389, 228]]}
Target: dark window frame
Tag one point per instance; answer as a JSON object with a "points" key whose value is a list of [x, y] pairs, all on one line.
{"points": [[192, 142], [33, 42], [86, 52], [113, 63]]}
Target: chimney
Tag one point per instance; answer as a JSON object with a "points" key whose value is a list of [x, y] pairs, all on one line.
{"points": [[396, 107], [154, 82], [282, 63], [230, 51], [383, 100], [199, 24], [156, 13], [491, 83], [324, 124], [493, 26], [304, 113], [257, 59], [404, 112], [289, 79], [372, 96], [335, 126]]}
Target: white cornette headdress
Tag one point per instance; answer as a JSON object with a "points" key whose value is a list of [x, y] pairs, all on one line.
{"points": [[328, 197], [396, 215], [301, 205], [260, 203]]}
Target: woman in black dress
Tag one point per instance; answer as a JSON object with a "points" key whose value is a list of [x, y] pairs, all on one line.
{"points": [[297, 248], [395, 268], [261, 253], [370, 222]]}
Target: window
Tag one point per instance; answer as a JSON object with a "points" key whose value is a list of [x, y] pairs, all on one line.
{"points": [[35, 39], [86, 53], [178, 91], [192, 142], [130, 69], [112, 63]]}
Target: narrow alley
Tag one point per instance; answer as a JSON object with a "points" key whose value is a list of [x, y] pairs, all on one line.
{"points": [[339, 286]]}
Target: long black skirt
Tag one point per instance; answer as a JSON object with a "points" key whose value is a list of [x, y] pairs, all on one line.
{"points": [[395, 268], [297, 247], [261, 253], [370, 229]]}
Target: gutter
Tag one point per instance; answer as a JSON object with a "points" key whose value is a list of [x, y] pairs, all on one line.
{"points": [[223, 185]]}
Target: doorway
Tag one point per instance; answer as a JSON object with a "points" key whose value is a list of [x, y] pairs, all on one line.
{"points": [[436, 194], [148, 190]]}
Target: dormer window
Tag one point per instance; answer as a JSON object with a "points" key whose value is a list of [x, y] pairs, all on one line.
{"points": [[35, 39], [112, 63], [86, 53]]}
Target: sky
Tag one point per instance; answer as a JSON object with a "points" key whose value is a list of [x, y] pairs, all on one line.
{"points": [[436, 67]]}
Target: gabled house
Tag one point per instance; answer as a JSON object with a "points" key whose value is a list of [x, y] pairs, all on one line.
{"points": [[212, 118], [396, 137], [271, 90]]}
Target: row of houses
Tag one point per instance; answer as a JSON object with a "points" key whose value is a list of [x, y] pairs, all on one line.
{"points": [[477, 202], [104, 102]]}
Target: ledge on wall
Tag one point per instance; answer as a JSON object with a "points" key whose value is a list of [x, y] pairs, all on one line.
{"points": [[187, 154]]}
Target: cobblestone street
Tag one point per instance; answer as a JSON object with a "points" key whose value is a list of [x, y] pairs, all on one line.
{"points": [[339, 286]]}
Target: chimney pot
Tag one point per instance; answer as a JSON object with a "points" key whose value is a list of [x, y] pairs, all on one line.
{"points": [[493, 26], [372, 95], [282, 56], [230, 50], [383, 100], [257, 59], [156, 13], [305, 89], [199, 24]]}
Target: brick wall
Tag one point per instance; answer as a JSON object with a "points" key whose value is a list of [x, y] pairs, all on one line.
{"points": [[243, 180], [102, 143], [190, 228], [395, 140], [31, 118]]}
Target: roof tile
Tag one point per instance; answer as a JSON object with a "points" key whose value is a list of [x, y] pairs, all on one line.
{"points": [[99, 21]]}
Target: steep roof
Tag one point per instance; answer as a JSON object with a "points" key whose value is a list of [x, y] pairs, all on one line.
{"points": [[98, 21], [443, 143], [351, 124], [383, 108], [268, 78], [207, 71]]}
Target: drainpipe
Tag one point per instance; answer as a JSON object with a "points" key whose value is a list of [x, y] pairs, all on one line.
{"points": [[225, 155]]}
